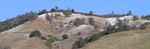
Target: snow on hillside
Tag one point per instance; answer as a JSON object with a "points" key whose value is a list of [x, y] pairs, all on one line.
{"points": [[126, 17], [51, 14], [112, 21]]}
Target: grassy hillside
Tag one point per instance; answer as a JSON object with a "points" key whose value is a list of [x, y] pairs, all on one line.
{"points": [[135, 39]]}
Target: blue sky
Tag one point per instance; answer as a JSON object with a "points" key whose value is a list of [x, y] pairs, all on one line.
{"points": [[12, 8]]}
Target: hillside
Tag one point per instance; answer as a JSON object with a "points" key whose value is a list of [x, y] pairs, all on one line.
{"points": [[18, 37], [75, 26], [134, 39]]}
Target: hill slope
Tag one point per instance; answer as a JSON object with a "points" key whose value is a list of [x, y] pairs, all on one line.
{"points": [[135, 39]]}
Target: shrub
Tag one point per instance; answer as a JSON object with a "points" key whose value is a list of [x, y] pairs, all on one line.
{"points": [[65, 36], [35, 33], [91, 21], [43, 38]]}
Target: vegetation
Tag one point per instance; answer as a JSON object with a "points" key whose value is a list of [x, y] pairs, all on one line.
{"points": [[93, 37], [79, 43], [91, 21], [43, 38], [35, 33], [147, 17], [90, 12], [78, 21], [48, 17], [68, 12], [73, 11], [129, 13], [42, 12], [145, 25], [20, 19], [49, 43], [65, 36]]}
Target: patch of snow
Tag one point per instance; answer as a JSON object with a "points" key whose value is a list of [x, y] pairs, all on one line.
{"points": [[79, 28], [27, 35], [43, 16], [126, 17], [112, 21]]}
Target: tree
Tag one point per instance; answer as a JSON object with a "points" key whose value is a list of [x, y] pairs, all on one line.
{"points": [[78, 21], [65, 36], [91, 13], [135, 18], [67, 12], [94, 37], [73, 11], [42, 12], [112, 12], [79, 43], [53, 10], [129, 13], [35, 33], [56, 8], [20, 19], [91, 21]]}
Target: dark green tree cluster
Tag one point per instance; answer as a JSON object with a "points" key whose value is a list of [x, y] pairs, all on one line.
{"points": [[129, 13], [56, 9], [147, 17], [93, 37], [20, 19], [91, 21], [42, 12], [90, 12], [35, 34], [78, 21], [79, 43]]}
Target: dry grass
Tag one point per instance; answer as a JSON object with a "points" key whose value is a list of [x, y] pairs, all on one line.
{"points": [[135, 39]]}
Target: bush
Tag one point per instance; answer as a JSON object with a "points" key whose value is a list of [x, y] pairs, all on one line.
{"points": [[43, 38], [35, 33], [65, 36], [91, 21], [78, 21]]}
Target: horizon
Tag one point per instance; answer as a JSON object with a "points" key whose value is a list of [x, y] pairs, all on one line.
{"points": [[12, 8]]}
